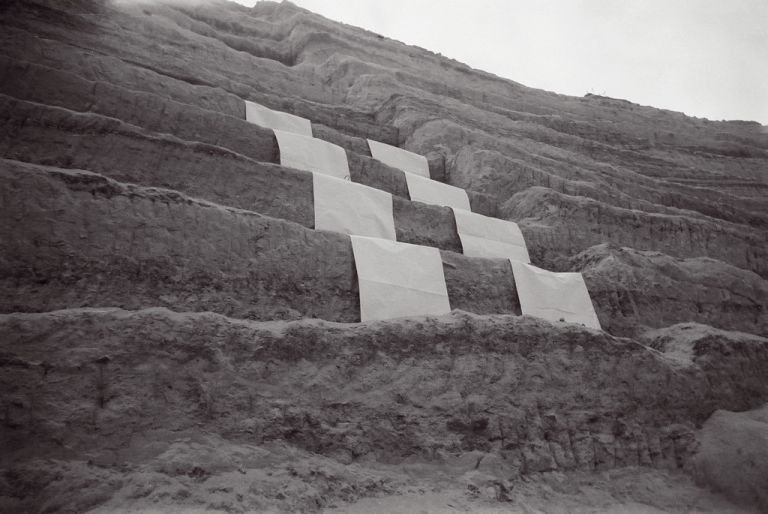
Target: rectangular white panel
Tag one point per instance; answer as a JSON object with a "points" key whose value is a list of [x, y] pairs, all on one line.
{"points": [[350, 208], [482, 236], [554, 296], [398, 158], [310, 154], [270, 119], [433, 192], [399, 279]]}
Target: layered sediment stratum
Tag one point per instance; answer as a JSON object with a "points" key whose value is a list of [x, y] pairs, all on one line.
{"points": [[170, 314]]}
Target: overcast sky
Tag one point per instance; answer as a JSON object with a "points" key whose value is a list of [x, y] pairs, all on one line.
{"points": [[707, 58]]}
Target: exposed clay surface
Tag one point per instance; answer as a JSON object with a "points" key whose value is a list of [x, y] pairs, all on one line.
{"points": [[494, 132], [634, 290], [625, 286], [135, 197], [549, 219], [102, 390], [79, 239], [733, 456], [210, 171]]}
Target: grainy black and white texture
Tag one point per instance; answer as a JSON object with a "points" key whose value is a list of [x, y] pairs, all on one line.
{"points": [[174, 334]]}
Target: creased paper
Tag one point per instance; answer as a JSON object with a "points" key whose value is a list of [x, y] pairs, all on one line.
{"points": [[398, 158], [310, 154], [554, 296], [482, 236], [433, 192], [267, 118], [350, 208], [399, 279]]}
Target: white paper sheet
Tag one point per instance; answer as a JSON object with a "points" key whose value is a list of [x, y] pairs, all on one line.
{"points": [[398, 158], [554, 296], [436, 193], [267, 118], [399, 279], [482, 236], [310, 154], [350, 208]]}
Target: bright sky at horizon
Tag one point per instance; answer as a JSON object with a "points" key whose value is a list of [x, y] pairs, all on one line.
{"points": [[706, 58]]}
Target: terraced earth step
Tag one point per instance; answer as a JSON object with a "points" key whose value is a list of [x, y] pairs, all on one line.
{"points": [[547, 219], [58, 137], [391, 390], [182, 259], [40, 84], [80, 239], [636, 290], [48, 86]]}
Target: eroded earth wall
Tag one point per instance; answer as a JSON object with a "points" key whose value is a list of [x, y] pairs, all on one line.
{"points": [[80, 90], [160, 273]]}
